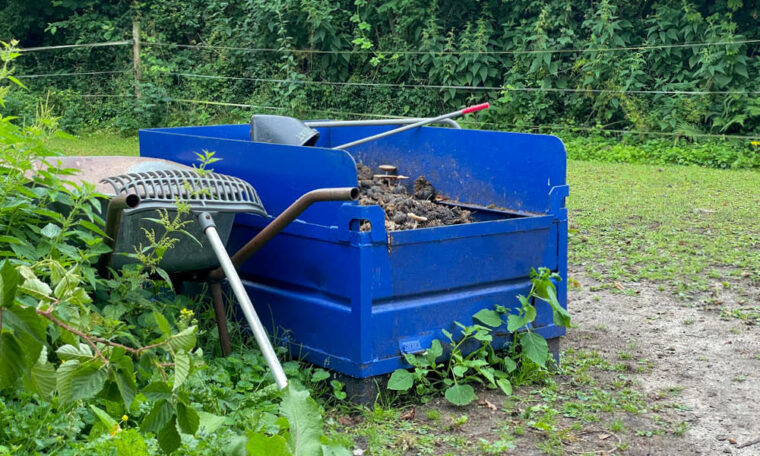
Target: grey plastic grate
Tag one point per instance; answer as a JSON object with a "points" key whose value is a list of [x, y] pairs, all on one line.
{"points": [[207, 192]]}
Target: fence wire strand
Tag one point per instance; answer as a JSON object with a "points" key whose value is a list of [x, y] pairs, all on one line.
{"points": [[74, 46], [642, 47], [471, 88], [477, 123], [58, 75]]}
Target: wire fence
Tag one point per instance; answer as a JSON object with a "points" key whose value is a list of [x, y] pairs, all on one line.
{"points": [[76, 46], [521, 127], [395, 86], [415, 86], [641, 47], [60, 75]]}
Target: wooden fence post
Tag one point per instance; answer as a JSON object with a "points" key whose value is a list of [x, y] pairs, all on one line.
{"points": [[136, 54]]}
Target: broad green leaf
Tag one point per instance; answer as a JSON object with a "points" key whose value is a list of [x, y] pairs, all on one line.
{"points": [[305, 422], [88, 380], [319, 375], [11, 359], [187, 418], [162, 323], [210, 422], [460, 394], [9, 279], [505, 386], [125, 381], [235, 446], [168, 437], [184, 340], [67, 352], [434, 352], [157, 391], [509, 364], [104, 417], [488, 373], [29, 329], [37, 289], [515, 322], [459, 370], [335, 450], [51, 231], [41, 378], [260, 444], [401, 380], [181, 369], [534, 347], [158, 417], [488, 317]]}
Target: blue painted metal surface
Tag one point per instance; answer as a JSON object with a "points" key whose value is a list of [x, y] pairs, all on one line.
{"points": [[354, 301]]}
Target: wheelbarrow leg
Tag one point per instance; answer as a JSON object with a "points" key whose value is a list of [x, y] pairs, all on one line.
{"points": [[207, 224], [220, 314]]}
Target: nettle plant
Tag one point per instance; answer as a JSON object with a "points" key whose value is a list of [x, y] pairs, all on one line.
{"points": [[472, 357], [124, 345]]}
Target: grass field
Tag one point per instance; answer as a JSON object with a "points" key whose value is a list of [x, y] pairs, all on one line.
{"points": [[679, 249]]}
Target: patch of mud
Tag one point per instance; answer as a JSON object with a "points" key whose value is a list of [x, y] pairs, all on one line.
{"points": [[405, 211], [706, 364]]}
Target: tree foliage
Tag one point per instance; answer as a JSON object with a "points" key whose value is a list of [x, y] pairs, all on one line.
{"points": [[413, 43]]}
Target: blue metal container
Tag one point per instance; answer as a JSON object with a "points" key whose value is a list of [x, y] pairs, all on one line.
{"points": [[353, 300]]}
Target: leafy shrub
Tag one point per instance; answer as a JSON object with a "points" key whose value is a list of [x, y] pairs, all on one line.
{"points": [[472, 358], [496, 44], [90, 364]]}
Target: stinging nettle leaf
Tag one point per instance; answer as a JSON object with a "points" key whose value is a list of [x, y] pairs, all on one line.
{"points": [[534, 347], [488, 317]]}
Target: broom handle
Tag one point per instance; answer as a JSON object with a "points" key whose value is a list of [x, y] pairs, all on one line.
{"points": [[421, 123]]}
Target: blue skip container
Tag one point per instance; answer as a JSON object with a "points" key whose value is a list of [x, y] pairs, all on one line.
{"points": [[355, 301]]}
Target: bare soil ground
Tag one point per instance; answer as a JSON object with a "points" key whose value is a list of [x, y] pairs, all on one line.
{"points": [[643, 373], [655, 377]]}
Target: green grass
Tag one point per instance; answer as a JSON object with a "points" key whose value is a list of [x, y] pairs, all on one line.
{"points": [[100, 143], [677, 225]]}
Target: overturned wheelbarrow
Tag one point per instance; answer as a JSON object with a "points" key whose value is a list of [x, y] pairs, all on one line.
{"points": [[140, 187]]}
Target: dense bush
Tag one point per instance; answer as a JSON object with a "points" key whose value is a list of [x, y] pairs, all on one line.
{"points": [[409, 42], [110, 363]]}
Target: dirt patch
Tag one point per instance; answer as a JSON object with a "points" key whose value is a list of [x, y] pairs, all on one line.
{"points": [[405, 211], [644, 373]]}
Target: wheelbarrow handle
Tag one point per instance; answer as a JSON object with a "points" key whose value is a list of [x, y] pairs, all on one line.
{"points": [[284, 219]]}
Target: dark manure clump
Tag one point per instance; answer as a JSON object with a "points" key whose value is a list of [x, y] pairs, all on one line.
{"points": [[404, 211]]}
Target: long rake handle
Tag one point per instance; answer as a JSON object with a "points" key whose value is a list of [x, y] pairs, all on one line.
{"points": [[207, 223], [421, 123]]}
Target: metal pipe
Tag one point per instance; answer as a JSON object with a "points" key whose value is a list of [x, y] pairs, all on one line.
{"points": [[207, 224], [377, 122], [420, 123], [284, 219], [220, 314], [116, 206]]}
